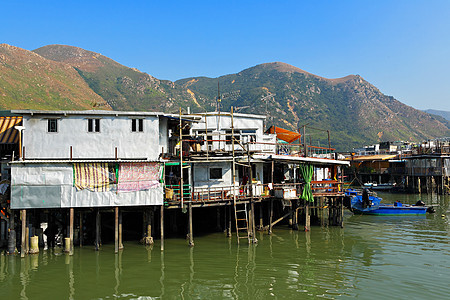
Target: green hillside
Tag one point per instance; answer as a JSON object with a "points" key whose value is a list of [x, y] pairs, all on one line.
{"points": [[29, 81], [354, 110], [122, 87]]}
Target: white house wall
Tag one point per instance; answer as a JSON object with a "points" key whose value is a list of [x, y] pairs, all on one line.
{"points": [[51, 186], [201, 175], [163, 135], [115, 131]]}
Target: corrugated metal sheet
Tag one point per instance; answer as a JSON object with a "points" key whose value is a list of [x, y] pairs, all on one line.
{"points": [[9, 135], [373, 157]]}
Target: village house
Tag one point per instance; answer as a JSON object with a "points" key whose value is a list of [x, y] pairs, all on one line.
{"points": [[69, 168]]}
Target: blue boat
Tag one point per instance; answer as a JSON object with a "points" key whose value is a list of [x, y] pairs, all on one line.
{"points": [[368, 203]]}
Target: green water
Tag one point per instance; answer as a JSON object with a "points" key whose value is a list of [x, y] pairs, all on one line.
{"points": [[372, 257]]}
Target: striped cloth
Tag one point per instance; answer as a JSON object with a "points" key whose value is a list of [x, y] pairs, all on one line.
{"points": [[138, 176], [92, 176], [9, 135]]}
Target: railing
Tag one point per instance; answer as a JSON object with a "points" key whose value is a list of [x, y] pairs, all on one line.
{"points": [[256, 190], [268, 144], [216, 194]]}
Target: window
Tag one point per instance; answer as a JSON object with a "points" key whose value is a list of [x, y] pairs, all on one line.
{"points": [[93, 125], [248, 136], [229, 137], [137, 125], [52, 125], [215, 173]]}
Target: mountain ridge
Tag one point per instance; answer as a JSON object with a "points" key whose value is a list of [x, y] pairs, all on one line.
{"points": [[354, 110]]}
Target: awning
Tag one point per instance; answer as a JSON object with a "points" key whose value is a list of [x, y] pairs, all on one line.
{"points": [[9, 135], [284, 134], [372, 157]]}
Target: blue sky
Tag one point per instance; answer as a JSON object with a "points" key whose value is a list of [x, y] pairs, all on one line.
{"points": [[402, 47]]}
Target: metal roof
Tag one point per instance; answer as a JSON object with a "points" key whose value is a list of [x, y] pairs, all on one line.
{"points": [[74, 161], [101, 113], [288, 158]]}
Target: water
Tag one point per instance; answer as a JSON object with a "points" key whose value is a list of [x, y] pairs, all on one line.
{"points": [[372, 257]]}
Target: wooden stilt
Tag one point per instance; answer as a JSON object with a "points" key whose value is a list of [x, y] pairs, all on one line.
{"points": [[162, 226], [307, 217], [97, 230], [116, 229], [218, 227], [270, 216], [294, 215], [12, 234], [27, 238], [191, 233], [81, 229], [229, 222], [252, 205], [71, 212], [120, 231], [341, 208], [24, 225], [261, 221]]}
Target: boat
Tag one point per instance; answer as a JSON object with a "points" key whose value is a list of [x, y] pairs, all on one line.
{"points": [[368, 203], [380, 186]]}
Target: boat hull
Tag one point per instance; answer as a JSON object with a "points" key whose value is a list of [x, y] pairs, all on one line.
{"points": [[392, 210]]}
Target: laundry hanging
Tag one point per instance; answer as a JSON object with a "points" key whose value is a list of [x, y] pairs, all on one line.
{"points": [[92, 176], [138, 176], [307, 173]]}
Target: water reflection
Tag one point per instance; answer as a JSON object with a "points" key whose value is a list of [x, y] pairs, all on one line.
{"points": [[363, 258]]}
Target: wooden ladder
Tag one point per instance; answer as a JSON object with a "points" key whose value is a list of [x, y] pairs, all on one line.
{"points": [[241, 217]]}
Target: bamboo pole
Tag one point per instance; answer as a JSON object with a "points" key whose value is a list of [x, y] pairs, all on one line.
{"points": [[181, 163]]}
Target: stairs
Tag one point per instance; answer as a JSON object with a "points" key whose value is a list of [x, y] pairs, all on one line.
{"points": [[241, 217]]}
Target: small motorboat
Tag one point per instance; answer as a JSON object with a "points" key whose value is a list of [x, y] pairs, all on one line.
{"points": [[368, 203]]}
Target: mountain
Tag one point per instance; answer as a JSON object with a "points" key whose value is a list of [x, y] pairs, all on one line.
{"points": [[64, 77], [28, 80], [355, 111], [122, 87], [442, 113]]}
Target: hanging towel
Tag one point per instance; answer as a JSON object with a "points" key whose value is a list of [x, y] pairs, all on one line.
{"points": [[138, 176], [92, 176]]}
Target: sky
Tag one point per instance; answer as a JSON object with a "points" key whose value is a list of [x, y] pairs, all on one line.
{"points": [[401, 47]]}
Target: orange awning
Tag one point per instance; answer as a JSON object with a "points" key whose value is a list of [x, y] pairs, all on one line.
{"points": [[9, 135], [284, 134]]}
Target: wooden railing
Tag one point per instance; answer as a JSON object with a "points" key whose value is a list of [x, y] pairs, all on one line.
{"points": [[255, 190]]}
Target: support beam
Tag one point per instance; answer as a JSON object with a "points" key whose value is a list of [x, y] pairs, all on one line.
{"points": [[162, 226], [261, 221], [81, 229], [191, 233], [270, 216], [24, 225], [229, 221], [12, 234], [116, 229], [120, 231], [71, 212], [97, 230], [307, 217]]}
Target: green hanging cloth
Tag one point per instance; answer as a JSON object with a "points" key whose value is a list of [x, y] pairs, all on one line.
{"points": [[307, 173]]}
